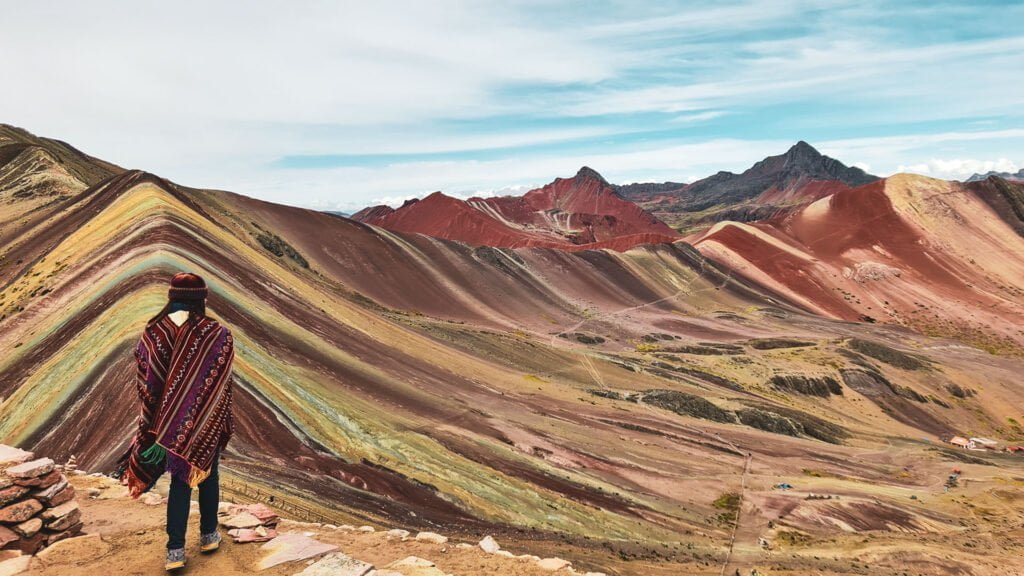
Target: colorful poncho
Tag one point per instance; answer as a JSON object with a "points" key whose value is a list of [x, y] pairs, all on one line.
{"points": [[184, 382]]}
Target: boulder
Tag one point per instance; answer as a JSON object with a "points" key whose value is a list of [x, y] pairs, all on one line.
{"points": [[290, 547], [49, 479], [432, 537], [51, 514], [553, 564], [9, 456], [29, 545], [337, 564], [15, 565], [65, 522], [20, 511], [62, 497], [30, 469], [72, 551], [29, 527], [44, 495], [489, 545], [243, 520], [7, 536], [398, 533], [12, 494], [74, 530]]}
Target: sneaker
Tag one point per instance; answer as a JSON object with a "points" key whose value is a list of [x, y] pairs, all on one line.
{"points": [[209, 542], [175, 559]]}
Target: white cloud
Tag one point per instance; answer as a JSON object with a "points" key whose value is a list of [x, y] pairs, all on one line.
{"points": [[960, 168]]}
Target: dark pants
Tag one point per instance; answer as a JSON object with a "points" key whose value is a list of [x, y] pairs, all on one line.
{"points": [[178, 507]]}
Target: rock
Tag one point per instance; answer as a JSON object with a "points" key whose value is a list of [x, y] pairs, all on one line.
{"points": [[29, 545], [65, 522], [489, 545], [49, 479], [114, 493], [366, 529], [20, 511], [152, 499], [398, 533], [337, 564], [30, 469], [61, 511], [74, 530], [44, 494], [505, 554], [411, 561], [5, 482], [73, 550], [464, 546], [243, 520], [347, 528], [246, 535], [432, 537], [595, 574], [290, 547], [330, 527], [528, 557], [29, 527], [553, 564], [10, 456], [94, 492], [12, 494], [8, 554], [7, 536], [15, 565]]}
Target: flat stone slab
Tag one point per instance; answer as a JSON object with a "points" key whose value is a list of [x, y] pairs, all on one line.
{"points": [[48, 479], [553, 564], [7, 536], [29, 527], [20, 511], [61, 511], [30, 469], [247, 535], [432, 537], [290, 547], [73, 550], [266, 516], [15, 565], [337, 564], [9, 456], [11, 494], [243, 520]]}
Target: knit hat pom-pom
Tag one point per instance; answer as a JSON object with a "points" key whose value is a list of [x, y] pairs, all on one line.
{"points": [[187, 286]]}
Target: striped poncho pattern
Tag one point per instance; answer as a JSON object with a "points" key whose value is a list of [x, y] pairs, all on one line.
{"points": [[184, 383]]}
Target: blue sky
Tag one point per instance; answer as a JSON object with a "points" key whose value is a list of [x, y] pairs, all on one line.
{"points": [[338, 105]]}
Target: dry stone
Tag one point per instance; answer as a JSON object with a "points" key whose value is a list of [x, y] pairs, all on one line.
{"points": [[48, 479], [397, 533], [29, 545], [489, 545], [291, 547], [20, 511], [30, 469], [432, 537], [45, 494], [62, 497], [7, 536], [553, 564], [61, 511], [5, 482], [15, 565], [65, 522], [12, 494], [74, 530], [29, 527], [243, 520], [337, 564], [10, 456]]}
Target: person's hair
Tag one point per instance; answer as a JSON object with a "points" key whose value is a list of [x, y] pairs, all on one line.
{"points": [[187, 291], [196, 310]]}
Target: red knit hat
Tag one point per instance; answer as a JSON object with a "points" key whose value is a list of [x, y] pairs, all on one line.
{"points": [[187, 286]]}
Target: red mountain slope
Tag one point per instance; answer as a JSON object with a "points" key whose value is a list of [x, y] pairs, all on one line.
{"points": [[583, 212]]}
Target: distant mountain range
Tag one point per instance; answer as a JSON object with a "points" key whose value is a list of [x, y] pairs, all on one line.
{"points": [[1004, 175]]}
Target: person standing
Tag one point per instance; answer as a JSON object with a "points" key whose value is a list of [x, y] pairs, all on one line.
{"points": [[184, 382]]}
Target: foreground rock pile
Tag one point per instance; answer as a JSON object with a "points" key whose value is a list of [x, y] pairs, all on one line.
{"points": [[37, 504]]}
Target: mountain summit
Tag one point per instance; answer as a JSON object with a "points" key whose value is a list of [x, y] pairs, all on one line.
{"points": [[775, 185]]}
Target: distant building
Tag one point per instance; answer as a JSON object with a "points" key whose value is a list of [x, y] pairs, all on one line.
{"points": [[962, 442], [987, 443]]}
